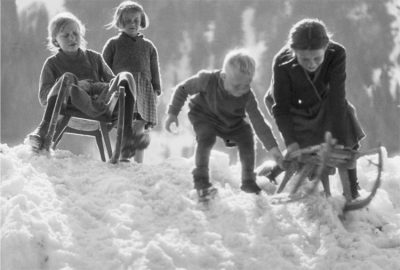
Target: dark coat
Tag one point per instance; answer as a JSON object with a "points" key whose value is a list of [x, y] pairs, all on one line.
{"points": [[304, 108]]}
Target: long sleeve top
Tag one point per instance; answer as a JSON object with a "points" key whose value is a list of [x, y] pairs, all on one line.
{"points": [[294, 91], [86, 64], [211, 101], [135, 55]]}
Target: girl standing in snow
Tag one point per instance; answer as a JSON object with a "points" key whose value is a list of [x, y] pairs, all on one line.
{"points": [[307, 93], [81, 72], [130, 51]]}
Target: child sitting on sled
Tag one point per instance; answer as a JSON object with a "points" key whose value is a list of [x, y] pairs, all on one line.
{"points": [[88, 81], [222, 98]]}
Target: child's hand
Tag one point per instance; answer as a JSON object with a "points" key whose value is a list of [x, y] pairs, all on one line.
{"points": [[158, 92], [291, 148], [171, 119], [84, 85], [277, 155]]}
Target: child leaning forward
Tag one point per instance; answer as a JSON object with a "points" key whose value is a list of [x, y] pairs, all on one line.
{"points": [[219, 106]]}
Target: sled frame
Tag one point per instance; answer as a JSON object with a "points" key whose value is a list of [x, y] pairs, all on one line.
{"points": [[104, 125], [319, 161]]}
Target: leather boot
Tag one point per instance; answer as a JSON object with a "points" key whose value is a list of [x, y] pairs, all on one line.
{"points": [[354, 186], [37, 137]]}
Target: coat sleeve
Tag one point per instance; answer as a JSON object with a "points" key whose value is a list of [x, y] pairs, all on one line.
{"points": [[260, 126], [281, 93], [337, 95], [46, 81]]}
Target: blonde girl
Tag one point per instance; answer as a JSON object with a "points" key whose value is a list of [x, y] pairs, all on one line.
{"points": [[81, 72]]}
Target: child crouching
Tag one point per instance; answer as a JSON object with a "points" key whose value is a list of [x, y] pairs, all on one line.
{"points": [[222, 98]]}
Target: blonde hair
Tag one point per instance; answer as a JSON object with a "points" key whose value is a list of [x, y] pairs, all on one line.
{"points": [[57, 24], [124, 7], [241, 60]]}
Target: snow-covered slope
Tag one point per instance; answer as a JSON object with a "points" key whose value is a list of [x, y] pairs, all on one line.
{"points": [[63, 211]]}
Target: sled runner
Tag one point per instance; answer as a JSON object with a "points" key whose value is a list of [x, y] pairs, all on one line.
{"points": [[99, 127], [318, 162]]}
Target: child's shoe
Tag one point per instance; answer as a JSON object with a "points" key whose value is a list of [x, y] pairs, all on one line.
{"points": [[354, 191], [136, 141], [354, 186], [250, 186], [127, 149], [206, 194], [141, 140], [36, 139]]}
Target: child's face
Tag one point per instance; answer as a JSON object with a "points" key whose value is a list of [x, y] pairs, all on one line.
{"points": [[310, 60], [131, 23], [69, 38], [236, 83]]}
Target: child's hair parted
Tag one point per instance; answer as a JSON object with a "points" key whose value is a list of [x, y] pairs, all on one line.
{"points": [[241, 60], [308, 34], [123, 8], [57, 24]]}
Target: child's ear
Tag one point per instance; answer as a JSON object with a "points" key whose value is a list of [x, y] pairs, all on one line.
{"points": [[223, 75]]}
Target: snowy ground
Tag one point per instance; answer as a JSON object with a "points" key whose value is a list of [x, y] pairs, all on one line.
{"points": [[63, 211]]}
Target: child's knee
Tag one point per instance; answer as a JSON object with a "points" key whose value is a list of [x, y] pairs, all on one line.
{"points": [[206, 139], [70, 76], [138, 126]]}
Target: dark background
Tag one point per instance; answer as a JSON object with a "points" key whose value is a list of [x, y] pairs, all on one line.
{"points": [[194, 35]]}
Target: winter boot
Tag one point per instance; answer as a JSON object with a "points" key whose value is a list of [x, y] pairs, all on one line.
{"points": [[354, 186], [141, 140], [206, 194], [127, 146], [250, 186], [36, 139]]}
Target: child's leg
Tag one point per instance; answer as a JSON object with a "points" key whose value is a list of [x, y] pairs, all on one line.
{"points": [[354, 187], [127, 147], [206, 138], [245, 142], [352, 173], [36, 138], [138, 128]]}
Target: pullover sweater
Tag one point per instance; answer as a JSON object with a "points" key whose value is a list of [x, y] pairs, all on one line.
{"points": [[86, 64], [211, 101], [135, 55]]}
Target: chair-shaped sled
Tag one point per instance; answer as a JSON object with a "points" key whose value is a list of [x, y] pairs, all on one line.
{"points": [[319, 161], [76, 122]]}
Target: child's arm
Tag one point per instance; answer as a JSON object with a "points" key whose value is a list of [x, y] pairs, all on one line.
{"points": [[281, 91], [191, 86], [155, 71], [337, 95], [106, 73], [108, 53], [262, 128], [46, 81]]}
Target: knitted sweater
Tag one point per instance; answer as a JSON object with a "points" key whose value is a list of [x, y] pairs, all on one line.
{"points": [[217, 106], [133, 54], [86, 64]]}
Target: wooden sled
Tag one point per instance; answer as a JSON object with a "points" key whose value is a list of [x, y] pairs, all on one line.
{"points": [[319, 161], [103, 123]]}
